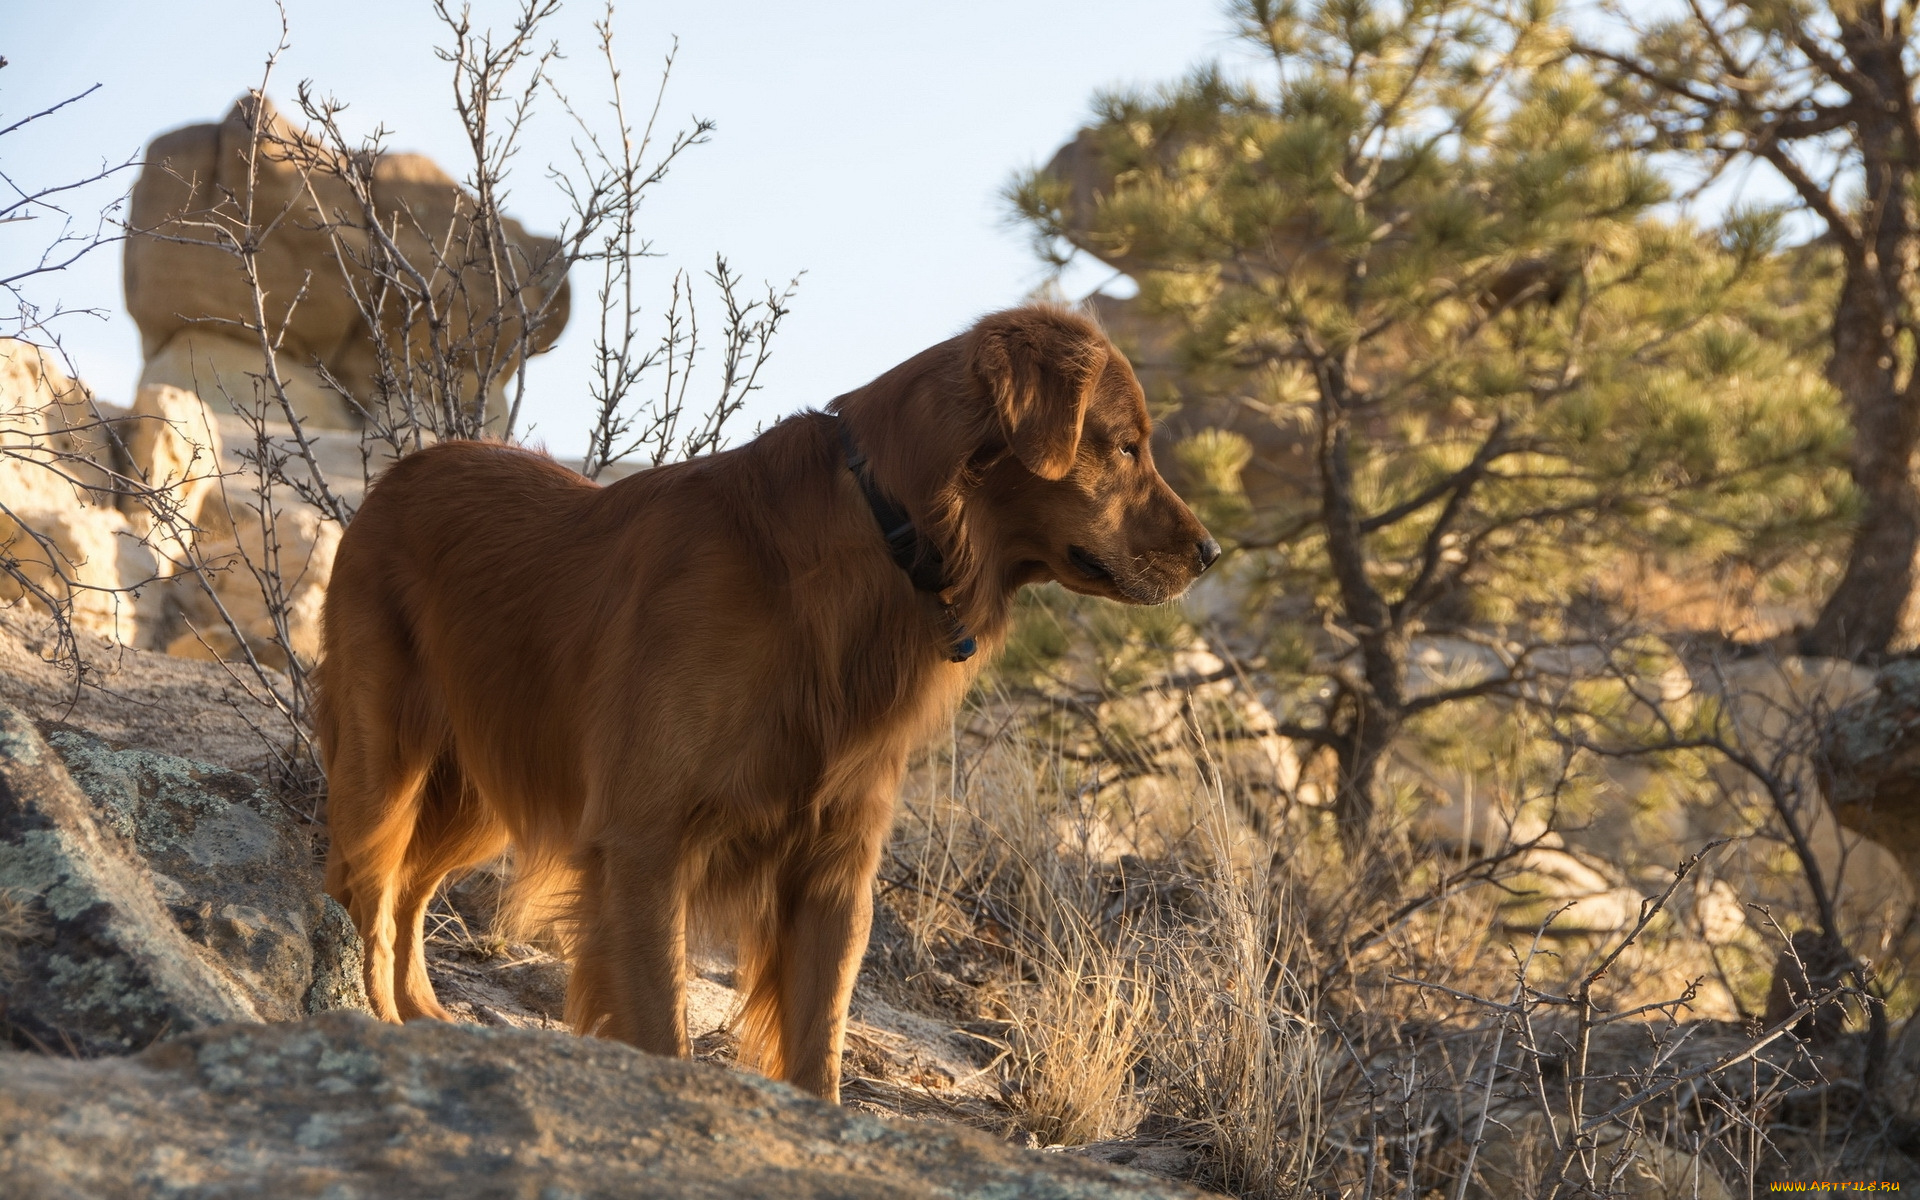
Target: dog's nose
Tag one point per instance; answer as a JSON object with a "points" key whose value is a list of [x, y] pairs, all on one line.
{"points": [[1209, 552]]}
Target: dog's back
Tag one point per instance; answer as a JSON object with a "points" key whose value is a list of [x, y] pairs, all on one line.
{"points": [[444, 593]]}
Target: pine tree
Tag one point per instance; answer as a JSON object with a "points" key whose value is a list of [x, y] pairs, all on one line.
{"points": [[1414, 231], [1824, 94]]}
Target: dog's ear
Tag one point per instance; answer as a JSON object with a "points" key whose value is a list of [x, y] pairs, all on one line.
{"points": [[1040, 367]]}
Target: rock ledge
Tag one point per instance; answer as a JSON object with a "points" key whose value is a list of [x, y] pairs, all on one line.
{"points": [[344, 1107]]}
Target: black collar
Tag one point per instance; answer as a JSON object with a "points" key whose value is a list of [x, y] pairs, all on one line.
{"points": [[912, 553]]}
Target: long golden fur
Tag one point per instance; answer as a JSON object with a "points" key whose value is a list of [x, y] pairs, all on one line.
{"points": [[690, 695]]}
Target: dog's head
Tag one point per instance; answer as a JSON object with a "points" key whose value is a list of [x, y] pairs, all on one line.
{"points": [[1078, 499]]}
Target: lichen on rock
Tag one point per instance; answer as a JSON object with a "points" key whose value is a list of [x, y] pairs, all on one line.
{"points": [[158, 895]]}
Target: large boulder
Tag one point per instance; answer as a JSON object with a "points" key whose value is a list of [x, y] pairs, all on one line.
{"points": [[235, 553], [1870, 766], [172, 443], [185, 289], [51, 421], [100, 505], [344, 1107], [152, 894]]}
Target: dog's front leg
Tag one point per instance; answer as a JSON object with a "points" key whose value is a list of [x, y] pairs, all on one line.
{"points": [[643, 932], [829, 937], [825, 926]]}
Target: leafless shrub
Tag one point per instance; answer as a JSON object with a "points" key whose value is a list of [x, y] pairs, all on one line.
{"points": [[1417, 1016], [456, 309], [454, 298], [76, 237]]}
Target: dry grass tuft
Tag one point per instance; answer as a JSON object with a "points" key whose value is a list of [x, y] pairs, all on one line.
{"points": [[20, 921], [1077, 1037]]}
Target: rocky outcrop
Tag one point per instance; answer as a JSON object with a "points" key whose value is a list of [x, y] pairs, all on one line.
{"points": [[344, 1107], [301, 544], [142, 525], [100, 505], [137, 698], [1871, 763], [191, 299], [168, 910], [1519, 1155], [170, 443], [153, 895], [182, 284]]}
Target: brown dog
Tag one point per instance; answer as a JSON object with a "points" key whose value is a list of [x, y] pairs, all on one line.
{"points": [[692, 694]]}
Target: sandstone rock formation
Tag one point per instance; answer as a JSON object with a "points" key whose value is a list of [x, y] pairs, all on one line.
{"points": [[300, 546], [151, 895], [181, 283], [100, 505], [110, 512], [344, 1107], [171, 442], [59, 520]]}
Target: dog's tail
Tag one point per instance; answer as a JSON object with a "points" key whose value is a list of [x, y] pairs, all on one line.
{"points": [[758, 968], [541, 901], [589, 984]]}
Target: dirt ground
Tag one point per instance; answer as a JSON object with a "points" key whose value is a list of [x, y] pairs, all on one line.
{"points": [[897, 1062]]}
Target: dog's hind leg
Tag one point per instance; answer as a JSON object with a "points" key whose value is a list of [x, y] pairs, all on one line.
{"points": [[370, 839], [375, 775], [453, 830]]}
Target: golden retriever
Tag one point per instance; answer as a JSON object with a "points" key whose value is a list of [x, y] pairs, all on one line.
{"points": [[690, 696]]}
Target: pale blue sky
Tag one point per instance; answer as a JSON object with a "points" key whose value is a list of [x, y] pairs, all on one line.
{"points": [[863, 142]]}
